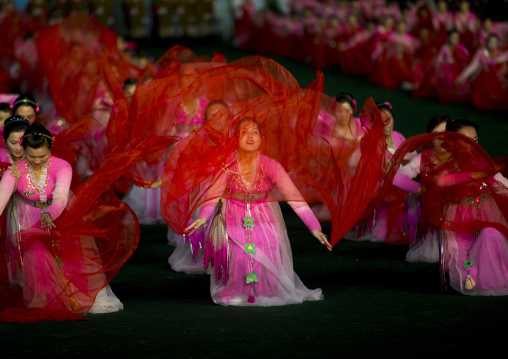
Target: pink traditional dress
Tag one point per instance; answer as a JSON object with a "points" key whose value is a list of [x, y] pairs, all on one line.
{"points": [[467, 25], [442, 23], [489, 86], [37, 263], [450, 63], [385, 222], [424, 242], [466, 198], [261, 266], [393, 64]]}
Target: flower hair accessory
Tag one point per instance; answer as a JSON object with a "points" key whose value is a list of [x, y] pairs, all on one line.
{"points": [[388, 104], [354, 106]]}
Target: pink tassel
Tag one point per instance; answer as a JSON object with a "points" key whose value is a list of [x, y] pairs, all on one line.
{"points": [[251, 299]]}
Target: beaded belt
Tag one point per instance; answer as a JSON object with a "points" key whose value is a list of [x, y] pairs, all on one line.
{"points": [[37, 204], [476, 200]]}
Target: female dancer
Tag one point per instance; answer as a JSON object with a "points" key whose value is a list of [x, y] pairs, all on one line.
{"points": [[186, 258], [466, 197], [423, 239], [26, 107], [260, 269], [452, 59], [491, 65], [384, 224], [13, 129], [52, 274], [476, 260]]}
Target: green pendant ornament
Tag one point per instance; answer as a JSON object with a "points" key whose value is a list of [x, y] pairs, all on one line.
{"points": [[248, 222], [250, 248], [251, 278]]}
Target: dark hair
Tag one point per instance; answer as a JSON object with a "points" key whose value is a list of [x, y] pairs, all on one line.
{"points": [[459, 124], [25, 100], [243, 120], [5, 107], [14, 124], [385, 106], [129, 82], [436, 121], [37, 136], [346, 97]]}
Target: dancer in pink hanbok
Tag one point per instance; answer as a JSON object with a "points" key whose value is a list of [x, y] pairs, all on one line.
{"points": [[442, 21], [489, 68], [261, 270], [384, 223], [452, 59], [186, 258], [467, 24], [423, 238], [465, 196], [47, 270]]}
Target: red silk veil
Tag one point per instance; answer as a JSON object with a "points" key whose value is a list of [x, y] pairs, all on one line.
{"points": [[317, 164], [70, 54], [173, 103], [466, 176], [95, 235]]}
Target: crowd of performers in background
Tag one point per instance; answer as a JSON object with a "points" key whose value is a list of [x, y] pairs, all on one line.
{"points": [[443, 49], [434, 49], [210, 147], [137, 19]]}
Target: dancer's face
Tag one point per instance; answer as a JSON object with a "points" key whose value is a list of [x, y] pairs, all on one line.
{"points": [[37, 157], [249, 137], [343, 113], [437, 143], [493, 43], [13, 146], [27, 112], [469, 132], [442, 6], [388, 120], [129, 90], [222, 110], [454, 38]]}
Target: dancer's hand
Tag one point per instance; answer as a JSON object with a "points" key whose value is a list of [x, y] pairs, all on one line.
{"points": [[322, 238], [47, 221], [201, 221], [150, 184]]}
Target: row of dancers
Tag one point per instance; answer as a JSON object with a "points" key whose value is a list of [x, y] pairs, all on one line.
{"points": [[456, 57], [224, 142], [137, 19]]}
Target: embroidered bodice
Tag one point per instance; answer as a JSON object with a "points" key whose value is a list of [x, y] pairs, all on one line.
{"points": [[55, 187]]}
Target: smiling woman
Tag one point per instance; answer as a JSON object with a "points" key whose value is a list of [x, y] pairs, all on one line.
{"points": [[14, 128], [51, 273]]}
